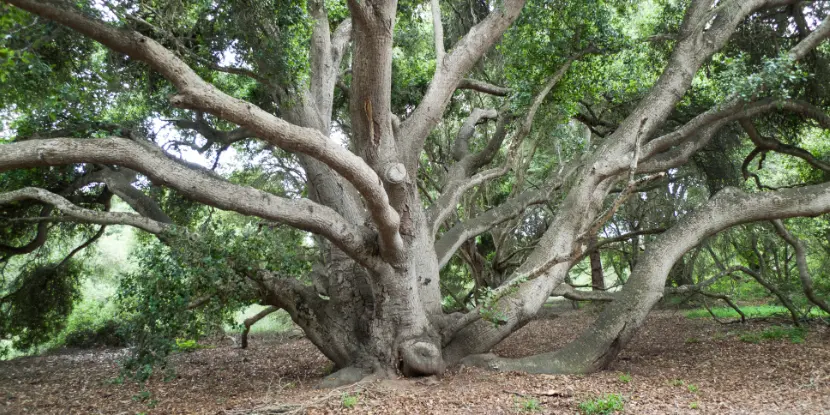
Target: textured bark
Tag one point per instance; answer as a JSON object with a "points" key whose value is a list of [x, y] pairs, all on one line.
{"points": [[250, 321], [597, 277]]}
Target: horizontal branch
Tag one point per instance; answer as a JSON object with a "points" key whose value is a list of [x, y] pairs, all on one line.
{"points": [[195, 184], [78, 214], [485, 87]]}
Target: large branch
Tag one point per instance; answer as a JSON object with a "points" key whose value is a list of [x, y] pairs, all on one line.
{"points": [[481, 86], [449, 73], [700, 37], [677, 144], [197, 185], [195, 93], [619, 321], [675, 148], [812, 41]]}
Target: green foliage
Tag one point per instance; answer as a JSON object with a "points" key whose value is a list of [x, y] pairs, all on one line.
{"points": [[694, 405], [215, 264], [489, 298], [36, 309], [624, 377], [489, 307], [762, 311], [608, 404], [693, 388], [187, 346], [528, 404], [777, 77], [348, 400], [793, 334]]}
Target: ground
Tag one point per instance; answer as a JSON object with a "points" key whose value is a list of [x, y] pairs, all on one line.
{"points": [[675, 365]]}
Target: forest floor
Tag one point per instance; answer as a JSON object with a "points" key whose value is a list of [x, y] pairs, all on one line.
{"points": [[674, 365]]}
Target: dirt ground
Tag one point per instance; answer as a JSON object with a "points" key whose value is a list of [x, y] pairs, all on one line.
{"points": [[676, 365]]}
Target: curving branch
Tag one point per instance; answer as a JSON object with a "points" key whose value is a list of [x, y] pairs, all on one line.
{"points": [[618, 322], [812, 41], [195, 93], [40, 238], [78, 214], [198, 185], [446, 203], [451, 240], [461, 145], [763, 144], [250, 321]]}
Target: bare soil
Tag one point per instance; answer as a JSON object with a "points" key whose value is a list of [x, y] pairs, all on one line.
{"points": [[676, 365]]}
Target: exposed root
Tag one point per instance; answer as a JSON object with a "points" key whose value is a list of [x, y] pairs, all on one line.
{"points": [[343, 377], [420, 358]]}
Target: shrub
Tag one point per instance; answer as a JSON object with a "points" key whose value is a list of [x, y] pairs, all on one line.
{"points": [[187, 345], [608, 404], [529, 405], [93, 323], [108, 334], [625, 377], [794, 334], [348, 400]]}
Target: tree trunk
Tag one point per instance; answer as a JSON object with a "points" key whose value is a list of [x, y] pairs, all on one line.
{"points": [[597, 277]]}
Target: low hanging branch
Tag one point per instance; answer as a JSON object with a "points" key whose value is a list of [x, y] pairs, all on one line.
{"points": [[198, 185], [77, 214]]}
